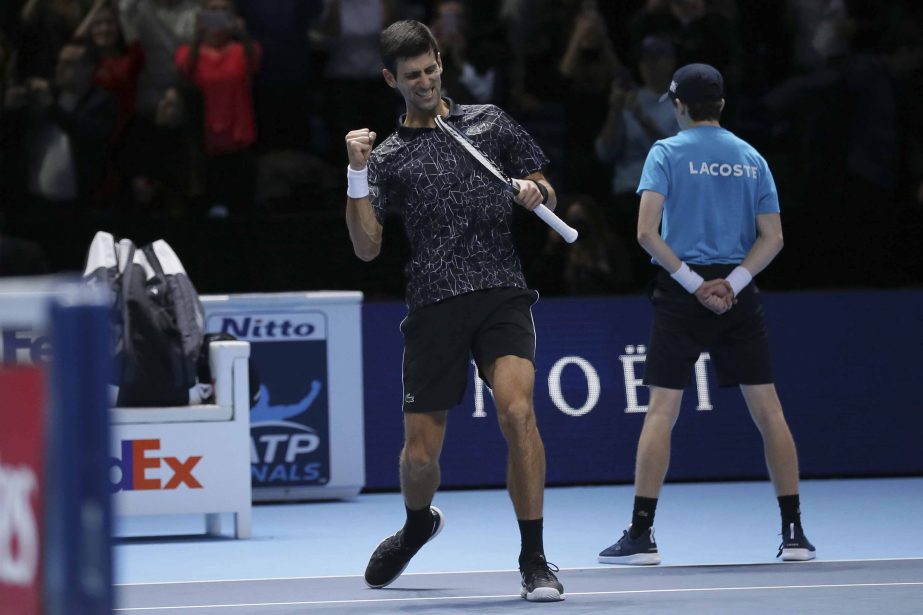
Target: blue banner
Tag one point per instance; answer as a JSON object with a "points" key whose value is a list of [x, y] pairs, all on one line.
{"points": [[78, 513], [845, 366], [289, 424]]}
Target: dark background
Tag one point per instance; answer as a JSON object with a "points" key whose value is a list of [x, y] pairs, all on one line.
{"points": [[816, 120]]}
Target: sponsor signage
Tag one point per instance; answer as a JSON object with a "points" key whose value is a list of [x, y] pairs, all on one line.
{"points": [[289, 424], [141, 467], [21, 445], [23, 345], [843, 370]]}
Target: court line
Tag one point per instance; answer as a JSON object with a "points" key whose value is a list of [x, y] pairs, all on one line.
{"points": [[495, 596], [600, 567]]}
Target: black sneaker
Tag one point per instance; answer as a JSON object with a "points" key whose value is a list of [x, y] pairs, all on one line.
{"points": [[795, 545], [391, 556], [538, 581], [641, 551]]}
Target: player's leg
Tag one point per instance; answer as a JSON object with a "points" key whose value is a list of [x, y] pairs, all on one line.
{"points": [[673, 348], [778, 444], [513, 379], [742, 357], [637, 545], [424, 433], [504, 350], [782, 462], [435, 370], [653, 457]]}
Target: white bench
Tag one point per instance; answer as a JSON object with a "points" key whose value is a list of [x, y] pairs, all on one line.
{"points": [[190, 459]]}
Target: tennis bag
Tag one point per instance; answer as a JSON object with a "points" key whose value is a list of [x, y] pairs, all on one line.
{"points": [[157, 321]]}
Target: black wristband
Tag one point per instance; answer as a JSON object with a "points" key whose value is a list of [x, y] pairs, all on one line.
{"points": [[542, 189]]}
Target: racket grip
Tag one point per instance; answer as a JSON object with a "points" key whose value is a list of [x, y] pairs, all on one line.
{"points": [[548, 217]]}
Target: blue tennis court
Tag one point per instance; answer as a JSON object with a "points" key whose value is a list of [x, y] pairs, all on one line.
{"points": [[717, 540]]}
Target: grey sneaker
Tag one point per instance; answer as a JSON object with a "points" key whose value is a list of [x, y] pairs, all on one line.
{"points": [[391, 556], [641, 551]]}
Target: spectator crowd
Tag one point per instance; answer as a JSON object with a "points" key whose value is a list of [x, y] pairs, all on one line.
{"points": [[228, 116]]}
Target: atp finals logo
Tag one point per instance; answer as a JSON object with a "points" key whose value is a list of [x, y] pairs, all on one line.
{"points": [[277, 443], [289, 423]]}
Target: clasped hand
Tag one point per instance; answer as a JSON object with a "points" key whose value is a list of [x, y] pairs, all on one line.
{"points": [[716, 295]]}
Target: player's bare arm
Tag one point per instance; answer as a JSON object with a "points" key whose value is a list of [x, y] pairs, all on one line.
{"points": [[364, 229], [712, 296], [768, 244], [649, 216]]}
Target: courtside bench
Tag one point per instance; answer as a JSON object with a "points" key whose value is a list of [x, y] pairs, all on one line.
{"points": [[189, 459]]}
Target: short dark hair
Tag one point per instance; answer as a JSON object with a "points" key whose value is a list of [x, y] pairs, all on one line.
{"points": [[406, 39], [705, 110]]}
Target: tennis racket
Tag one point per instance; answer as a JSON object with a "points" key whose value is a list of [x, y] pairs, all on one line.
{"points": [[569, 234]]}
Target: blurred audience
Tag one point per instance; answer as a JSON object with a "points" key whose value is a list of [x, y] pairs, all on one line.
{"points": [[286, 93], [596, 264], [537, 42], [700, 31], [161, 157], [221, 62], [473, 52], [46, 25], [119, 64], [348, 34], [160, 27], [589, 65], [161, 107], [636, 119], [64, 128], [19, 257]]}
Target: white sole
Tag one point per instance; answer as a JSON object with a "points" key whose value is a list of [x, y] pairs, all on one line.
{"points": [[542, 594], [639, 559], [798, 555]]}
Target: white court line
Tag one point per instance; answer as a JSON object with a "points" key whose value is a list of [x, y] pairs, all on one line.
{"points": [[494, 596], [601, 567]]}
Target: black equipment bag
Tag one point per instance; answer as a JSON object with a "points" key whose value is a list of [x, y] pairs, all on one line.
{"points": [[157, 320]]}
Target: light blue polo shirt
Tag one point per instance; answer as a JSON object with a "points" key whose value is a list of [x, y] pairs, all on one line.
{"points": [[715, 185]]}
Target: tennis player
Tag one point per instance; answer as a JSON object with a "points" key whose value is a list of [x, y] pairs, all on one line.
{"points": [[466, 294], [709, 216]]}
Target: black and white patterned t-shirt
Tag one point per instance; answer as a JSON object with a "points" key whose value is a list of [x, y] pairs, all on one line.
{"points": [[457, 216]]}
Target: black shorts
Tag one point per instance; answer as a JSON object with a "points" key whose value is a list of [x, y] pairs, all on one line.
{"points": [[440, 338], [737, 340]]}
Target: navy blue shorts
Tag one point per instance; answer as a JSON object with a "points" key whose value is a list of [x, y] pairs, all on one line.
{"points": [[737, 341], [441, 338]]}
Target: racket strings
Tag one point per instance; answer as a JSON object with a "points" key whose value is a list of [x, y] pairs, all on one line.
{"points": [[454, 134]]}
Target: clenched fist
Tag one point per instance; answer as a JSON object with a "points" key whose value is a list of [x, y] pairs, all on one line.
{"points": [[359, 144]]}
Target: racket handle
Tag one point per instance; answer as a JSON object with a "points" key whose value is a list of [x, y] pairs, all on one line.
{"points": [[548, 217]]}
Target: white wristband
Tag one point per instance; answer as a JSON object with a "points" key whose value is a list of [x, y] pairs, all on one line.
{"points": [[687, 278], [358, 183], [738, 279]]}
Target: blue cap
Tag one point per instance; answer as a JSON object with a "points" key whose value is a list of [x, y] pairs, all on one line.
{"points": [[695, 83]]}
